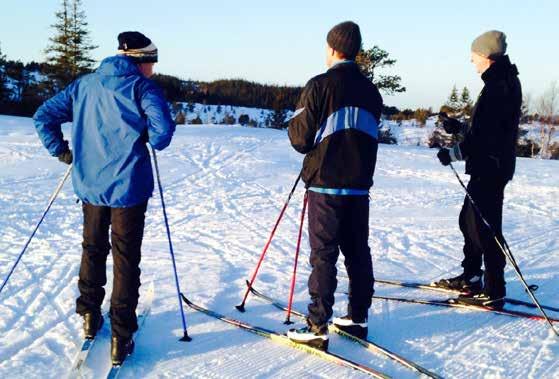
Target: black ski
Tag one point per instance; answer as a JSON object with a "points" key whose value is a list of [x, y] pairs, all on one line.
{"points": [[434, 287], [452, 302], [369, 345], [144, 313], [282, 339]]}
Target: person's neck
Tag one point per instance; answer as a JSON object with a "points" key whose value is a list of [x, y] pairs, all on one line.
{"points": [[338, 61]]}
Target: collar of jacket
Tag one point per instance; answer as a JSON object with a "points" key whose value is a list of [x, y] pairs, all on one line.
{"points": [[118, 65], [501, 69], [342, 64]]}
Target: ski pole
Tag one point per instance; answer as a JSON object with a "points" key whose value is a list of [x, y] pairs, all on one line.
{"points": [[51, 201], [292, 290], [185, 336], [507, 253], [241, 307]]}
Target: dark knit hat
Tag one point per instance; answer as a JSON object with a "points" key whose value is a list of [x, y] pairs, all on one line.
{"points": [[491, 44], [137, 46], [345, 38]]}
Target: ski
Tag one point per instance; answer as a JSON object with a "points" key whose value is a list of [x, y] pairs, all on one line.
{"points": [[433, 287], [282, 339], [452, 302], [144, 313], [369, 345], [83, 353]]}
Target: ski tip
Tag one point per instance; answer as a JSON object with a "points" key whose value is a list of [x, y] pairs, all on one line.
{"points": [[188, 302], [240, 308]]}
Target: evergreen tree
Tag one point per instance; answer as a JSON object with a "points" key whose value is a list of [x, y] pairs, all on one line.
{"points": [[3, 89], [69, 50], [377, 58], [453, 103], [276, 120], [466, 101]]}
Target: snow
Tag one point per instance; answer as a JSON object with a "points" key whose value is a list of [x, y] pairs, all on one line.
{"points": [[224, 187]]}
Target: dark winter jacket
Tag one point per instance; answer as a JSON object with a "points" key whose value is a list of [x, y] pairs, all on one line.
{"points": [[336, 126], [489, 145], [114, 111]]}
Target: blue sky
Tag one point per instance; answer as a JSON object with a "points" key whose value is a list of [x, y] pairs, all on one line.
{"points": [[283, 42]]}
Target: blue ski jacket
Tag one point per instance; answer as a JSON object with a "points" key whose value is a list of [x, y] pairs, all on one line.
{"points": [[115, 111]]}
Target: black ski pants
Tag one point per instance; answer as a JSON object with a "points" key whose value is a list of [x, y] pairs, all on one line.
{"points": [[127, 229], [339, 222], [479, 242]]}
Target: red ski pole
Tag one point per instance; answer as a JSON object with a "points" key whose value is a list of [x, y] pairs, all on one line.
{"points": [[241, 307], [288, 319]]}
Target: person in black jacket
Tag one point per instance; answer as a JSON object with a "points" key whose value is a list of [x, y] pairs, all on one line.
{"points": [[488, 148], [336, 126]]}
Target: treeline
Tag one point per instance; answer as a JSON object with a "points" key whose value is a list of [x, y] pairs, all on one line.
{"points": [[236, 92]]}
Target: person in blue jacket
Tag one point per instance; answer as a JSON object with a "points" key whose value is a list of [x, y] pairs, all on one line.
{"points": [[115, 111]]}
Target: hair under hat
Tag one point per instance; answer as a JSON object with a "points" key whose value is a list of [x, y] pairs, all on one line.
{"points": [[345, 38]]}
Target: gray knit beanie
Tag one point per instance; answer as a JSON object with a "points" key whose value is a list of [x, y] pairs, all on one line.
{"points": [[491, 44], [345, 38]]}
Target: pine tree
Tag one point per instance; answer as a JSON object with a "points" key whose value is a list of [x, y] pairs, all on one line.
{"points": [[377, 58], [3, 89], [453, 102], [466, 101], [69, 50]]}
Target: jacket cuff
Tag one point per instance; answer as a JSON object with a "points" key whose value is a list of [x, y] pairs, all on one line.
{"points": [[455, 153]]}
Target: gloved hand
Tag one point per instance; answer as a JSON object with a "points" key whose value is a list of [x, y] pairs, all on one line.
{"points": [[444, 156], [450, 125], [66, 157]]}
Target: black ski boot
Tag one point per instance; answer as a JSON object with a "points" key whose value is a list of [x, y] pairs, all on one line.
{"points": [[314, 336], [92, 323], [466, 283], [358, 328], [120, 349], [482, 300]]}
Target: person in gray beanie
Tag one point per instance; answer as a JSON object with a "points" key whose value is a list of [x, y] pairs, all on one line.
{"points": [[489, 149]]}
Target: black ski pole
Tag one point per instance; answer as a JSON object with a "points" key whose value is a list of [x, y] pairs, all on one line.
{"points": [[51, 201], [241, 307], [506, 252], [185, 336]]}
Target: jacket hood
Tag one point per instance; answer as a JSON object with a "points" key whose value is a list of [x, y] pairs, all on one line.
{"points": [[118, 66], [501, 69]]}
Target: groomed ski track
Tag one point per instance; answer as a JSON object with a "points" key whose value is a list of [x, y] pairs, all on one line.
{"points": [[224, 187]]}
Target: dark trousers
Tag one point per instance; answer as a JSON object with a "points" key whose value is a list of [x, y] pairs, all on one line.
{"points": [[127, 229], [479, 243], [339, 222]]}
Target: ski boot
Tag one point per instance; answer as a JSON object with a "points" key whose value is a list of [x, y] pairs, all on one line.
{"points": [[120, 349], [358, 327], [466, 283], [314, 336], [482, 300], [92, 323]]}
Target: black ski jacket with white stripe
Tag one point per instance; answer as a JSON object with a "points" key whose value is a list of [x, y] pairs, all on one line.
{"points": [[336, 125]]}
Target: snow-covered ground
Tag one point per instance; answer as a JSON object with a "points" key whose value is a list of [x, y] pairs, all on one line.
{"points": [[224, 188]]}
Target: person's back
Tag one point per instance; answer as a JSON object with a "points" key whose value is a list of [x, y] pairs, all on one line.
{"points": [[110, 130], [341, 154]]}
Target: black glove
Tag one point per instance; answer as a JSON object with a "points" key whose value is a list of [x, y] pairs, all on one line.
{"points": [[66, 157], [450, 125], [444, 156]]}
